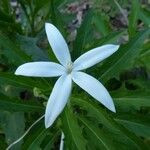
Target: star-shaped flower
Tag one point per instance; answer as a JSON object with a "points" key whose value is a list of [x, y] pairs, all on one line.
{"points": [[69, 71]]}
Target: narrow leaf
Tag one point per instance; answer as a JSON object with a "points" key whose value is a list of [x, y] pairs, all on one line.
{"points": [[133, 17], [72, 131], [124, 57], [82, 34], [13, 104], [105, 119]]}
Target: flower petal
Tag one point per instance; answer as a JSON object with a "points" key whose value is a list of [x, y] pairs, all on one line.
{"points": [[94, 88], [94, 56], [40, 69], [58, 44], [58, 99]]}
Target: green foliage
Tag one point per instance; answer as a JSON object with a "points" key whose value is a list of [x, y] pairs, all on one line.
{"points": [[85, 122], [144, 16], [105, 121], [82, 34], [124, 58], [34, 141], [133, 18], [29, 83], [16, 105], [13, 126], [74, 137]]}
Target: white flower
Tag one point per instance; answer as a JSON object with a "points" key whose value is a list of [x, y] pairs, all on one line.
{"points": [[68, 71]]}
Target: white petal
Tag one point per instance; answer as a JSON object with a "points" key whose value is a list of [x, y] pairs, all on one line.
{"points": [[40, 69], [58, 99], [94, 56], [58, 44], [94, 88]]}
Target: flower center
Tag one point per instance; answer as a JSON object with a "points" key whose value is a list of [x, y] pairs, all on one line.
{"points": [[69, 67]]}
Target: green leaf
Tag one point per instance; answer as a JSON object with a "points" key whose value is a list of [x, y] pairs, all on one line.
{"points": [[2, 143], [39, 5], [35, 138], [112, 37], [60, 2], [51, 141], [145, 55], [12, 51], [20, 81], [5, 6], [101, 24], [5, 17], [13, 104], [109, 122], [27, 16], [41, 138], [8, 23], [82, 34], [133, 17], [13, 126], [99, 135], [29, 46], [93, 110], [144, 15], [40, 12], [128, 93], [10, 27], [139, 124], [56, 17], [130, 103], [72, 131], [140, 83], [124, 57]]}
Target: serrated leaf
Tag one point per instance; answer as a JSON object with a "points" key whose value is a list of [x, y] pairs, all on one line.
{"points": [[139, 124], [132, 103], [100, 136], [126, 100], [108, 121]]}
